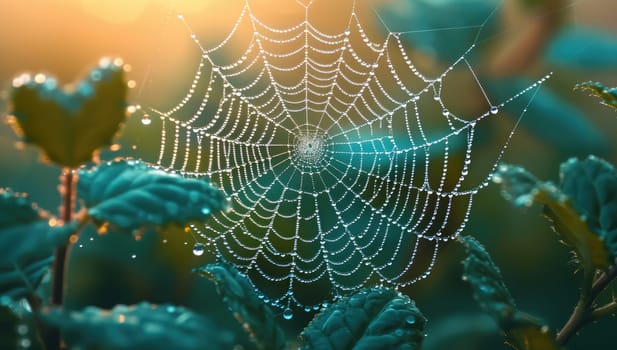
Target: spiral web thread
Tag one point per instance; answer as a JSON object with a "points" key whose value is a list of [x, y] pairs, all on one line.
{"points": [[321, 144]]}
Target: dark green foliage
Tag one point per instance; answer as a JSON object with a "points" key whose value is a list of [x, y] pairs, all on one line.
{"points": [[142, 326], [583, 48], [608, 95], [239, 294], [489, 290], [8, 325], [373, 318], [70, 125], [591, 184], [522, 330], [522, 188], [566, 122], [130, 195], [27, 242]]}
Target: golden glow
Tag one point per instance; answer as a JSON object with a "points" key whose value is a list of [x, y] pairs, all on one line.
{"points": [[102, 230], [52, 222], [40, 78], [115, 11]]}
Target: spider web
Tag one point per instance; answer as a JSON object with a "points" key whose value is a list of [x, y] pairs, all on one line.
{"points": [[336, 154]]}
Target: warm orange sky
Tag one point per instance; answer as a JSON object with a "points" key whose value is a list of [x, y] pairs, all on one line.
{"points": [[65, 37]]}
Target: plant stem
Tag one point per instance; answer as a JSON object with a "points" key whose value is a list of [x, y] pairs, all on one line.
{"points": [[57, 294], [58, 268], [585, 310]]}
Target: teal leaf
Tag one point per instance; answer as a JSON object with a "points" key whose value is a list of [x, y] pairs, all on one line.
{"points": [[130, 195], [373, 318], [8, 328], [591, 183], [428, 25], [18, 325], [70, 124], [608, 95], [522, 188], [239, 294], [583, 48], [490, 292], [550, 118], [27, 243], [485, 278], [138, 327]]}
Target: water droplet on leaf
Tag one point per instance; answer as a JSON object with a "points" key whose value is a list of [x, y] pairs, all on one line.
{"points": [[411, 319]]}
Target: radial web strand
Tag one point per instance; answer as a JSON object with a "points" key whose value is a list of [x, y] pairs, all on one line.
{"points": [[336, 154]]}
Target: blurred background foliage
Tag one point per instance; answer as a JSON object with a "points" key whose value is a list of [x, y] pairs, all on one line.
{"points": [[520, 41]]}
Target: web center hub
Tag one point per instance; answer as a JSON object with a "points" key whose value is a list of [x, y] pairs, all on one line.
{"points": [[309, 149]]}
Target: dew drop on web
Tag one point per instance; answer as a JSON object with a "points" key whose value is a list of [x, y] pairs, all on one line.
{"points": [[198, 249], [288, 314]]}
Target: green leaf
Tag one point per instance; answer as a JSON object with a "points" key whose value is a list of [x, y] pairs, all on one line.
{"points": [[489, 290], [69, 125], [592, 185], [131, 195], [608, 95], [373, 318], [239, 294], [521, 187], [583, 48], [18, 325], [27, 243], [550, 117], [141, 326], [8, 327], [522, 330]]}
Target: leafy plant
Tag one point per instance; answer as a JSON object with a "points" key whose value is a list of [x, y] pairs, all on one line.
{"points": [[125, 196], [582, 211]]}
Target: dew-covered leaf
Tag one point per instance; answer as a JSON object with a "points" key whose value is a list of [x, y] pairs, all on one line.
{"points": [[592, 185], [583, 48], [608, 95], [373, 318], [485, 278], [27, 243], [8, 327], [522, 188], [490, 292], [130, 195], [142, 326], [239, 294], [18, 326], [550, 118], [70, 124]]}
